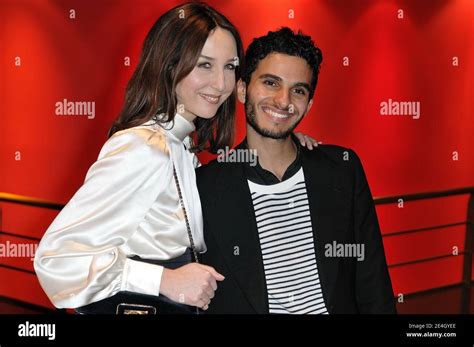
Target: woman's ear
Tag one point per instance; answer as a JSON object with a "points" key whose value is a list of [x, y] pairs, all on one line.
{"points": [[241, 91]]}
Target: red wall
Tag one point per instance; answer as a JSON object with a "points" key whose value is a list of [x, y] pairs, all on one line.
{"points": [[408, 59]]}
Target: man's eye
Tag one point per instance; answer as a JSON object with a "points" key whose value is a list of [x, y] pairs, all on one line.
{"points": [[269, 83], [204, 65], [300, 91], [230, 67]]}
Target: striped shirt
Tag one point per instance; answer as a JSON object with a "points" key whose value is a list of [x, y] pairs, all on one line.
{"points": [[287, 244]]}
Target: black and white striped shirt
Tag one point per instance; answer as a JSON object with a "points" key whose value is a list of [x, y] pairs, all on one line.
{"points": [[287, 243]]}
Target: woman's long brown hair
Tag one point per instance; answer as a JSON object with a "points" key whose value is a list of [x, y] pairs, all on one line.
{"points": [[170, 52]]}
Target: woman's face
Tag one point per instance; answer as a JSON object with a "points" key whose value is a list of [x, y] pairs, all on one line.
{"points": [[212, 80]]}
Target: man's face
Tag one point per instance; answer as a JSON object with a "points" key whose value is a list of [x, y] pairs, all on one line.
{"points": [[277, 97]]}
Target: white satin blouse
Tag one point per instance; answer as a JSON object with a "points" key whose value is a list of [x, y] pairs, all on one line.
{"points": [[128, 205]]}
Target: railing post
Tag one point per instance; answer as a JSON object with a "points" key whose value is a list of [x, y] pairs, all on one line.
{"points": [[467, 265]]}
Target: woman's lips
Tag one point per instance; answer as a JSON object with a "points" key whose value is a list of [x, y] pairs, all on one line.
{"points": [[212, 99]]}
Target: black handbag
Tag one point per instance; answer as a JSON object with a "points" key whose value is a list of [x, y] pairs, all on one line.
{"points": [[125, 302]]}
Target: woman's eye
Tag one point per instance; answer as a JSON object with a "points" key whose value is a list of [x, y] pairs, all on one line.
{"points": [[230, 66], [204, 65]]}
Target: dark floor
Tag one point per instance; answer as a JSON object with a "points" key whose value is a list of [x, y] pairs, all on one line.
{"points": [[443, 301]]}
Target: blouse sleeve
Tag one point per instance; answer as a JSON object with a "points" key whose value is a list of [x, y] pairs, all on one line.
{"points": [[80, 259]]}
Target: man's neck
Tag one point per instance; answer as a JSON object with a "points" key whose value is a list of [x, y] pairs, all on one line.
{"points": [[273, 155]]}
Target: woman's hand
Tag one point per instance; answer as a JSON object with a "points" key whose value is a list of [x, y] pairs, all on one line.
{"points": [[192, 284], [307, 141]]}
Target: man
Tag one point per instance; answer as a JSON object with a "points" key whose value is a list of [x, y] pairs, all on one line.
{"points": [[298, 231]]}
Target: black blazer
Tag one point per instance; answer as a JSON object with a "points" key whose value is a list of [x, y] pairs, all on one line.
{"points": [[342, 210]]}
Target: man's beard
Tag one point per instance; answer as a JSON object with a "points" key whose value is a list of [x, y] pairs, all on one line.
{"points": [[252, 121]]}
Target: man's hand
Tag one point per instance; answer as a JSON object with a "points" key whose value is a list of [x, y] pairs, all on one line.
{"points": [[192, 284]]}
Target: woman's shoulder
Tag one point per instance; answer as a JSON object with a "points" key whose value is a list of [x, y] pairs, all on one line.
{"points": [[142, 139]]}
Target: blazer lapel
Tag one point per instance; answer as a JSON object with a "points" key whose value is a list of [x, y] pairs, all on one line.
{"points": [[328, 214], [239, 241]]}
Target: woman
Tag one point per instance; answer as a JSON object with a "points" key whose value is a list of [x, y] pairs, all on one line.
{"points": [[130, 227]]}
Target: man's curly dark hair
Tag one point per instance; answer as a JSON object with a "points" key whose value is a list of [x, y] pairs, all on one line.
{"points": [[287, 42]]}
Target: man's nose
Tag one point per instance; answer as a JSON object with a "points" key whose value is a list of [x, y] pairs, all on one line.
{"points": [[282, 98]]}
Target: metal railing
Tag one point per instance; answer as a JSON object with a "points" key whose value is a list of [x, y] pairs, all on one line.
{"points": [[466, 282]]}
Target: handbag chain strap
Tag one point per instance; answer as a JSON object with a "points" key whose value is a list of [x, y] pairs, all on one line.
{"points": [[190, 235]]}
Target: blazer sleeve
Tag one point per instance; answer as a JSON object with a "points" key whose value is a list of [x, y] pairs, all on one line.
{"points": [[80, 259], [374, 291]]}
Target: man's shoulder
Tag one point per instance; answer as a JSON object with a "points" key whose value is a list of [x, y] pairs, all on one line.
{"points": [[214, 168], [334, 154], [332, 150]]}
